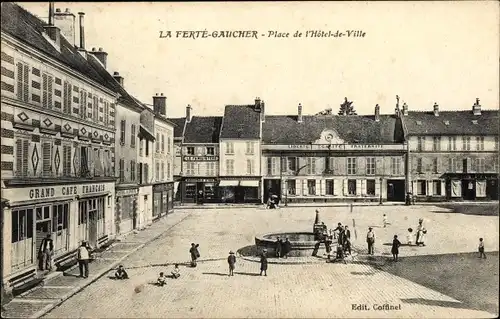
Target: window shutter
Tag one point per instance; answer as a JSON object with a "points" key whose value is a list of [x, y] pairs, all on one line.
{"points": [[344, 187], [360, 166], [47, 157], [377, 188], [363, 187], [336, 187], [320, 187], [44, 90], [49, 91], [331, 164], [19, 157], [358, 187], [305, 191], [20, 71], [26, 83], [69, 96]]}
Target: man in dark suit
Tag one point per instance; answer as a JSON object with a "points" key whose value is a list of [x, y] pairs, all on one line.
{"points": [[45, 253], [347, 240]]}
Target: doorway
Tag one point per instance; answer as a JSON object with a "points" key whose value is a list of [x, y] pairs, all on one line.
{"points": [[93, 228], [395, 190], [42, 228], [468, 189], [239, 194], [492, 189], [272, 187]]}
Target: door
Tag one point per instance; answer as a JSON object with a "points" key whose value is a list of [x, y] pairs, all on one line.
{"points": [[396, 190], [468, 189], [239, 194], [492, 189], [93, 228], [41, 230]]}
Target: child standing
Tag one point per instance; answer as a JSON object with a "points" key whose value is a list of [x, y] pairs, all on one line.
{"points": [[481, 249], [409, 237], [176, 272], [385, 220], [263, 262], [231, 260], [161, 280], [395, 248]]}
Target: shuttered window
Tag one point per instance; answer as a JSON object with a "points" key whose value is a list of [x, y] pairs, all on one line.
{"points": [[106, 112], [84, 162], [351, 165], [83, 104], [47, 81], [122, 132], [132, 171], [157, 144], [163, 143], [157, 171], [22, 82], [132, 135], [370, 166], [162, 171], [95, 109], [67, 98], [47, 158], [395, 165], [98, 171], [311, 165], [66, 160], [22, 149], [122, 170]]}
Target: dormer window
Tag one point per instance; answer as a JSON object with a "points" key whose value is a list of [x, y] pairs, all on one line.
{"points": [[474, 121], [419, 122], [446, 123]]}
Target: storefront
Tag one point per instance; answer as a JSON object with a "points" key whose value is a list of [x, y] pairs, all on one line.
{"points": [[471, 186], [200, 190], [126, 209], [240, 190], [163, 199], [69, 213]]}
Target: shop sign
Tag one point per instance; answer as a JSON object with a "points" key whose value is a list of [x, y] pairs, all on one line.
{"points": [[34, 193], [163, 187], [200, 180], [201, 158], [338, 147], [127, 192]]}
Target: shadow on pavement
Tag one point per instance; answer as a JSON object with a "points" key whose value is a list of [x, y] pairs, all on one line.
{"points": [[246, 273], [486, 209]]}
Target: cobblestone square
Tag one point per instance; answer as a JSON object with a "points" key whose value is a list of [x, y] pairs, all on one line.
{"points": [[290, 290]]}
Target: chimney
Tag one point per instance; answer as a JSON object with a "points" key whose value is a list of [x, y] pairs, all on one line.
{"points": [[118, 78], [52, 31], [377, 113], [100, 55], [257, 105], [66, 22], [51, 13], [188, 113], [82, 31], [299, 113], [262, 111], [160, 104], [405, 109], [436, 109], [476, 108]]}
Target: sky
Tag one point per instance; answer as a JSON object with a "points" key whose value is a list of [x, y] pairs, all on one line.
{"points": [[425, 52]]}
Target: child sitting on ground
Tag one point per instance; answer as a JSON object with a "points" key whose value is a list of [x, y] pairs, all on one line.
{"points": [[121, 273], [161, 280], [176, 272]]}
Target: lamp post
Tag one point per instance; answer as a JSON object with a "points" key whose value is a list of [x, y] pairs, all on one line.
{"points": [[380, 201]]}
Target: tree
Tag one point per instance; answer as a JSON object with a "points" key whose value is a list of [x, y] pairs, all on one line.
{"points": [[347, 108]]}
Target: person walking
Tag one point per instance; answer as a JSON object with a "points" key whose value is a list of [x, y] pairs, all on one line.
{"points": [[341, 235], [370, 240], [279, 246], [45, 253], [395, 248], [481, 249], [347, 240], [287, 248], [195, 254], [421, 231], [263, 262], [231, 260], [83, 260]]}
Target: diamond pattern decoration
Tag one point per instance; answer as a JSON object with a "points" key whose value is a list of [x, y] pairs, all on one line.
{"points": [[35, 158], [106, 136], [67, 127], [57, 159], [47, 122], [83, 131], [22, 116], [96, 134]]}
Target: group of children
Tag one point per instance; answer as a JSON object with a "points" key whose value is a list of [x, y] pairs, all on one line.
{"points": [[121, 274]]}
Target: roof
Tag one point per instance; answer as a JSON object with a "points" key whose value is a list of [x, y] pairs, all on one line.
{"points": [[179, 126], [203, 129], [283, 129], [24, 26], [240, 122], [452, 123]]}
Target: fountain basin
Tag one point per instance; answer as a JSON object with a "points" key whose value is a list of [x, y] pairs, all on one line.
{"points": [[303, 244]]}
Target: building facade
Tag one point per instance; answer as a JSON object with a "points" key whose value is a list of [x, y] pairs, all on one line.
{"points": [[324, 158], [200, 159], [179, 127], [163, 159], [58, 132], [240, 153], [145, 168], [453, 154]]}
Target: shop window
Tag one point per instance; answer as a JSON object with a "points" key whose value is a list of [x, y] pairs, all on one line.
{"points": [[190, 191], [436, 187], [311, 187], [351, 187], [291, 186], [370, 187], [329, 186], [209, 191], [421, 188], [22, 240]]}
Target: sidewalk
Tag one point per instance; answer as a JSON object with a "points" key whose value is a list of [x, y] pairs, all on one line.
{"points": [[62, 285]]}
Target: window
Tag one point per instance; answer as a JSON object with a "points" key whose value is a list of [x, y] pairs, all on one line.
{"points": [[436, 187], [132, 171], [480, 165], [421, 143], [157, 144], [121, 170], [22, 82], [95, 109], [211, 169], [459, 166], [250, 166], [97, 162], [22, 156], [271, 166], [436, 143], [163, 143], [141, 147], [229, 148], [311, 165], [466, 143], [496, 143], [419, 165], [473, 164], [67, 98], [132, 135], [311, 187], [157, 171], [329, 164], [210, 151], [495, 165], [122, 132], [291, 186], [22, 229], [169, 147], [452, 143], [162, 171], [351, 187], [351, 165], [66, 159], [451, 165], [230, 167], [47, 157], [168, 171], [84, 163], [106, 115], [146, 173], [435, 165], [83, 104], [47, 82], [370, 166], [480, 143], [329, 186], [370, 187], [395, 165], [292, 163], [421, 188], [190, 150], [250, 148], [190, 168]]}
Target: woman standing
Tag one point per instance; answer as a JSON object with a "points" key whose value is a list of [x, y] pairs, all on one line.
{"points": [[263, 262], [195, 254], [395, 248]]}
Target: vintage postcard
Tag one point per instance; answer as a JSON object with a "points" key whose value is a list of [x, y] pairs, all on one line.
{"points": [[250, 159]]}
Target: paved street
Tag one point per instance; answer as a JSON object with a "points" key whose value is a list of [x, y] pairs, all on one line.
{"points": [[305, 290]]}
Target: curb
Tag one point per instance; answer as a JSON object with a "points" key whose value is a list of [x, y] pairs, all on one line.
{"points": [[77, 289]]}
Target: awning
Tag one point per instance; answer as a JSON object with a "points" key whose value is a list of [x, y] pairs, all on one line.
{"points": [[143, 132], [228, 183], [249, 183]]}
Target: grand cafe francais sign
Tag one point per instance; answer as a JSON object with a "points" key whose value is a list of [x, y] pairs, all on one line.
{"points": [[63, 191]]}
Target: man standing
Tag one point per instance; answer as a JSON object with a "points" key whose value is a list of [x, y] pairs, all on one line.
{"points": [[45, 252], [83, 260], [279, 246], [370, 239], [347, 240], [195, 254]]}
